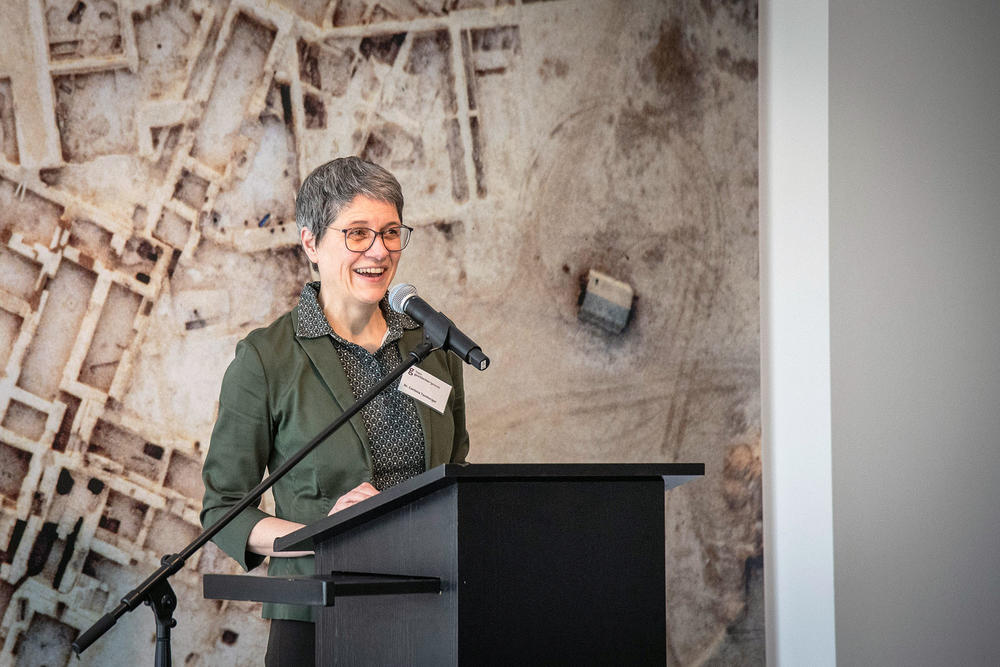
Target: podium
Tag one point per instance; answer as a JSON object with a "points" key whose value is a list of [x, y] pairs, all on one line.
{"points": [[474, 564]]}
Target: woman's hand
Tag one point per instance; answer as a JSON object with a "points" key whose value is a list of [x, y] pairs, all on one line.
{"points": [[355, 495], [266, 531]]}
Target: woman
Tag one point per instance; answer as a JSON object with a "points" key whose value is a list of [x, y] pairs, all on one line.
{"points": [[294, 377]]}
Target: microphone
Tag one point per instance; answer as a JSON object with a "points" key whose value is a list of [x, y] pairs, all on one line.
{"points": [[403, 299]]}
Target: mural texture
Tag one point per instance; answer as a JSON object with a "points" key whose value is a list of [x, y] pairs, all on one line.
{"points": [[149, 157]]}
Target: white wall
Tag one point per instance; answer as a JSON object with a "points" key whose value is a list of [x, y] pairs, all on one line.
{"points": [[795, 350], [915, 330]]}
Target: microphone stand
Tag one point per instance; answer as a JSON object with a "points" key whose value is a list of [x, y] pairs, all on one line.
{"points": [[156, 592]]}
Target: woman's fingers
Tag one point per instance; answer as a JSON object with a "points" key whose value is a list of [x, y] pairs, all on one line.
{"points": [[365, 488], [355, 495]]}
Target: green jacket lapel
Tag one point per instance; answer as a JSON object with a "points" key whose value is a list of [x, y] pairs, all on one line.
{"points": [[326, 361], [411, 338]]}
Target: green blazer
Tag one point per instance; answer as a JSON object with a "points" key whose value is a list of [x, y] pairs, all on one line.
{"points": [[277, 394]]}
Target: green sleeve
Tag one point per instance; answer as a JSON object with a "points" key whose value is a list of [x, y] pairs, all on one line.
{"points": [[238, 453]]}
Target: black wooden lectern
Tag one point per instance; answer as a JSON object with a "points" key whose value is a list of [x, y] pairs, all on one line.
{"points": [[490, 564]]}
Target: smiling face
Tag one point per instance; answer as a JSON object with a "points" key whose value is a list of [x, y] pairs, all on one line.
{"points": [[351, 279]]}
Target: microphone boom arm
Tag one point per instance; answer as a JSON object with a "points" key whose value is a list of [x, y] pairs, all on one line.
{"points": [[155, 590]]}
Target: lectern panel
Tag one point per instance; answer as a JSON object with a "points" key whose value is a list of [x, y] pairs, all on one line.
{"points": [[564, 572], [419, 538], [543, 572]]}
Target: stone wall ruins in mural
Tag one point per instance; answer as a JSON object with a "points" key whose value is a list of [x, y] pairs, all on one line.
{"points": [[149, 156]]}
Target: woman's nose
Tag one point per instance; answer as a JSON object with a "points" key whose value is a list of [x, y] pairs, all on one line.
{"points": [[378, 248]]}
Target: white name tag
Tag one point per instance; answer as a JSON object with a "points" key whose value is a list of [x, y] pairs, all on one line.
{"points": [[426, 388]]}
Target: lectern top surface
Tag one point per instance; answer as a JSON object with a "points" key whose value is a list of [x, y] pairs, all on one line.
{"points": [[672, 474]]}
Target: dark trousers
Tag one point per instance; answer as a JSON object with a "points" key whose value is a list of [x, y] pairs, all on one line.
{"points": [[291, 644]]}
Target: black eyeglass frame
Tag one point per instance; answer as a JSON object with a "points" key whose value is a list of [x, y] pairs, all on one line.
{"points": [[401, 226]]}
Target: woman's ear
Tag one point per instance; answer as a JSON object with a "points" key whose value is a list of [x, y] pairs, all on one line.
{"points": [[309, 245]]}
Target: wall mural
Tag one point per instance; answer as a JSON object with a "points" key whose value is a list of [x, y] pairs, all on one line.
{"points": [[149, 157]]}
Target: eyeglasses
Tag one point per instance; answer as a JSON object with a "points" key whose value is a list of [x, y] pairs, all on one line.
{"points": [[360, 239]]}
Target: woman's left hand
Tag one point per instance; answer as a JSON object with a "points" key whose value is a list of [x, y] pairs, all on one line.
{"points": [[354, 496]]}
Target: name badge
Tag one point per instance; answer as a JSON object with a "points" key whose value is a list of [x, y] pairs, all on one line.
{"points": [[426, 388]]}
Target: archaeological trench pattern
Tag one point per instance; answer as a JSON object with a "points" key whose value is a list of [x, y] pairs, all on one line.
{"points": [[149, 156]]}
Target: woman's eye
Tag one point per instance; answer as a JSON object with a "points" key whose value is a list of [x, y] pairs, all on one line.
{"points": [[357, 234], [391, 233]]}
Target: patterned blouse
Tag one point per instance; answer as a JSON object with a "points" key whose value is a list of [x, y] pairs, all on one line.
{"points": [[391, 419]]}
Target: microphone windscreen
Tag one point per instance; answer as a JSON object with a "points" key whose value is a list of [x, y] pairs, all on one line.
{"points": [[399, 294]]}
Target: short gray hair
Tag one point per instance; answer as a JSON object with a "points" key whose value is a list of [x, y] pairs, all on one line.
{"points": [[334, 185]]}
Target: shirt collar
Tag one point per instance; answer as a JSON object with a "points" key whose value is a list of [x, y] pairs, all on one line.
{"points": [[313, 323]]}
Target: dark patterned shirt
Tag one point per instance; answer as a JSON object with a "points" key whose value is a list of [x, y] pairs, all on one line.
{"points": [[391, 419]]}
